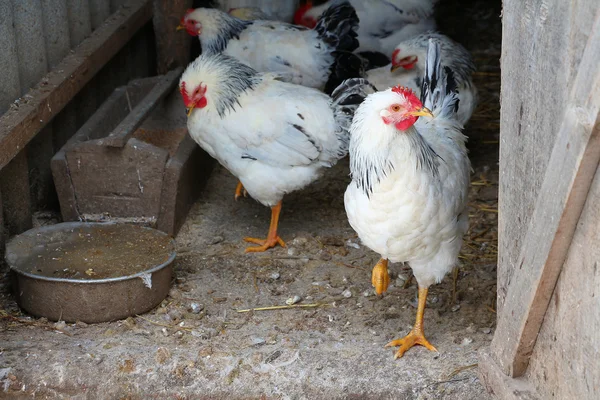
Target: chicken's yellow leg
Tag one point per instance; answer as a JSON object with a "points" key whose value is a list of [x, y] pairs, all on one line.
{"points": [[380, 279], [239, 191], [272, 238], [416, 335]]}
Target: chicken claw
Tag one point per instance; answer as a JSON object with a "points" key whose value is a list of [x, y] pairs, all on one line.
{"points": [[416, 335], [413, 338], [265, 244], [380, 279], [240, 191], [272, 239]]}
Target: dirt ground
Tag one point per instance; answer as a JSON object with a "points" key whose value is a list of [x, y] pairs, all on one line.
{"points": [[197, 345]]}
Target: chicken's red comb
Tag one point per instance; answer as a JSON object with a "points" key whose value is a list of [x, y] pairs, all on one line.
{"points": [[184, 94], [403, 90], [409, 94], [299, 14]]}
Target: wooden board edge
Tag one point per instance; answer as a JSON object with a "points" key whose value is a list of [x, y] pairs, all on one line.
{"points": [[561, 198], [502, 386]]}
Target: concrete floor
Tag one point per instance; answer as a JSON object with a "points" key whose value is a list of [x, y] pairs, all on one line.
{"points": [[196, 345], [332, 351]]}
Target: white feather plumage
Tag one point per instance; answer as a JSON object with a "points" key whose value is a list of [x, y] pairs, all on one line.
{"points": [[276, 137], [300, 55], [415, 207]]}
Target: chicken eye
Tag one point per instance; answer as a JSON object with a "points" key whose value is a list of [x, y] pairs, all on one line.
{"points": [[395, 108]]}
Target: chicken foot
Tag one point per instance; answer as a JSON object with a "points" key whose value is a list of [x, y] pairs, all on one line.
{"points": [[240, 191], [272, 239], [416, 335], [380, 279]]}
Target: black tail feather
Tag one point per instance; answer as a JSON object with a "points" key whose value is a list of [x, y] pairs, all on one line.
{"points": [[373, 59], [439, 88], [338, 25], [347, 97], [345, 66]]}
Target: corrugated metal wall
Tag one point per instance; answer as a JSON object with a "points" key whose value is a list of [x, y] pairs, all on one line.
{"points": [[35, 35]]}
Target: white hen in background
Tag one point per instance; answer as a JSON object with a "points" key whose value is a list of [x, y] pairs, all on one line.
{"points": [[410, 179], [408, 67], [276, 137], [303, 56], [383, 23]]}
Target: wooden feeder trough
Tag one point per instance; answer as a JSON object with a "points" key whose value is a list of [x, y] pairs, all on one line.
{"points": [[133, 161]]}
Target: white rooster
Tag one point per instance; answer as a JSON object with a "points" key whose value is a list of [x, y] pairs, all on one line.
{"points": [[410, 178], [275, 137], [303, 56], [408, 67], [383, 23]]}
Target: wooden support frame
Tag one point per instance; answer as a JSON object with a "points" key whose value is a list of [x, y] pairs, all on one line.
{"points": [[19, 125], [500, 385], [571, 169]]}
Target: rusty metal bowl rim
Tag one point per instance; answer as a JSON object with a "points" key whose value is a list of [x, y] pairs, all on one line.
{"points": [[72, 225]]}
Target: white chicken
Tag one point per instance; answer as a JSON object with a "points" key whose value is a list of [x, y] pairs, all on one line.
{"points": [[383, 23], [410, 178], [275, 137], [408, 67], [300, 55]]}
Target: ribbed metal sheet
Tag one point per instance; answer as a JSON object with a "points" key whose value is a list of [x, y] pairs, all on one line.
{"points": [[35, 35]]}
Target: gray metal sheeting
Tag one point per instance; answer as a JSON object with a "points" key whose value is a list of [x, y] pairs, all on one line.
{"points": [[35, 35]]}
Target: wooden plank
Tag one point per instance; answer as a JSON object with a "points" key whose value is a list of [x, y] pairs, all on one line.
{"points": [[14, 185], [172, 48], [19, 126], [535, 87], [500, 385], [122, 133], [564, 363], [573, 163]]}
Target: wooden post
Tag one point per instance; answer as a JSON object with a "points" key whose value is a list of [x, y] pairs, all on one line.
{"points": [[172, 47], [571, 170], [14, 186]]}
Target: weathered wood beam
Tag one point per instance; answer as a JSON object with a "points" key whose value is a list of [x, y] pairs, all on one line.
{"points": [[500, 385], [18, 126], [16, 197], [172, 47], [571, 169]]}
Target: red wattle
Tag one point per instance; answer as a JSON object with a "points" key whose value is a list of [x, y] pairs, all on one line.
{"points": [[406, 123]]}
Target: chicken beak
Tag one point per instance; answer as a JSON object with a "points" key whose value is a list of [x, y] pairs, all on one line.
{"points": [[189, 110], [394, 67], [180, 27], [422, 112]]}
